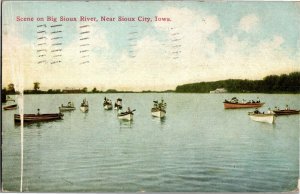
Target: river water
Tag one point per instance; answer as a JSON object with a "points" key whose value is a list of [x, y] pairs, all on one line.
{"points": [[198, 147]]}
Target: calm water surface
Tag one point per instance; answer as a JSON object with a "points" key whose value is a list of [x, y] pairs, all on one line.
{"points": [[199, 146]]}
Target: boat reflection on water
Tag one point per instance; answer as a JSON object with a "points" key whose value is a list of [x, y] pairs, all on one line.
{"points": [[161, 120], [125, 123], [36, 124], [160, 123]]}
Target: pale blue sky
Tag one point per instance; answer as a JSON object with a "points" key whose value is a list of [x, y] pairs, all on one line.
{"points": [[275, 24]]}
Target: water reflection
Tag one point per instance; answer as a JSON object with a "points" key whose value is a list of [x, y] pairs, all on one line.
{"points": [[161, 122], [36, 124], [125, 124]]}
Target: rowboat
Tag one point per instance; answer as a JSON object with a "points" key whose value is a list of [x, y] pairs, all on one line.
{"points": [[261, 117], [84, 107], [69, 107], [107, 104], [11, 107], [38, 117], [158, 112], [118, 104], [231, 105], [128, 115], [159, 109], [234, 103], [286, 112], [125, 116]]}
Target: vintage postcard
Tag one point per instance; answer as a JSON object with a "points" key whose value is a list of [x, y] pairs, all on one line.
{"points": [[150, 96]]}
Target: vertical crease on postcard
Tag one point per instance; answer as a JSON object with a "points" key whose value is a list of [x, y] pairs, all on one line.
{"points": [[17, 74]]}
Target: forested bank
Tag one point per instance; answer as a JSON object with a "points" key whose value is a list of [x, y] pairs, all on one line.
{"points": [[285, 83]]}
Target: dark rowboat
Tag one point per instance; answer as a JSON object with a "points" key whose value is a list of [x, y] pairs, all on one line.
{"points": [[286, 112], [38, 117], [231, 105], [11, 107]]}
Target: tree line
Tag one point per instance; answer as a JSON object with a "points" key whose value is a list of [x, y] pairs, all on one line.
{"points": [[285, 83], [10, 90]]}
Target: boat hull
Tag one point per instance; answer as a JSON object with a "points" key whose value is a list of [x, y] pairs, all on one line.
{"points": [[159, 113], [108, 107], [265, 118], [128, 117], [228, 105], [10, 107], [66, 109], [84, 108], [286, 112], [118, 107], [38, 117]]}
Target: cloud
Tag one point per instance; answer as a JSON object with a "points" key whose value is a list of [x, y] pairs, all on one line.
{"points": [[265, 58], [248, 23]]}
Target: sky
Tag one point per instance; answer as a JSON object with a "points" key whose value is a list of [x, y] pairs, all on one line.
{"points": [[203, 41]]}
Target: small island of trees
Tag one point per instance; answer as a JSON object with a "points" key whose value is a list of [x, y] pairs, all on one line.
{"points": [[270, 84]]}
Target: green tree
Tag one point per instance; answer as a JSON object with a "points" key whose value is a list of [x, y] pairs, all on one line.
{"points": [[36, 86], [11, 88], [84, 90], [94, 90]]}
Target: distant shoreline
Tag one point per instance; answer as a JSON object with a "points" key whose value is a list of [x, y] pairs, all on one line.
{"points": [[174, 92], [272, 84]]}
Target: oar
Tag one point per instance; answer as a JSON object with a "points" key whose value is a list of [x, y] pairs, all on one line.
{"points": [[131, 111]]}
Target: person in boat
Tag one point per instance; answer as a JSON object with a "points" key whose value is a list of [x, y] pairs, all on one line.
{"points": [[258, 100], [234, 100], [287, 107], [155, 104], [256, 111], [269, 111], [244, 101], [38, 111], [128, 110]]}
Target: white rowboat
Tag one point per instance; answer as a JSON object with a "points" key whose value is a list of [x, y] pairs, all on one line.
{"points": [[266, 118], [69, 107], [158, 113], [159, 109], [84, 108], [126, 116], [108, 106], [118, 104]]}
